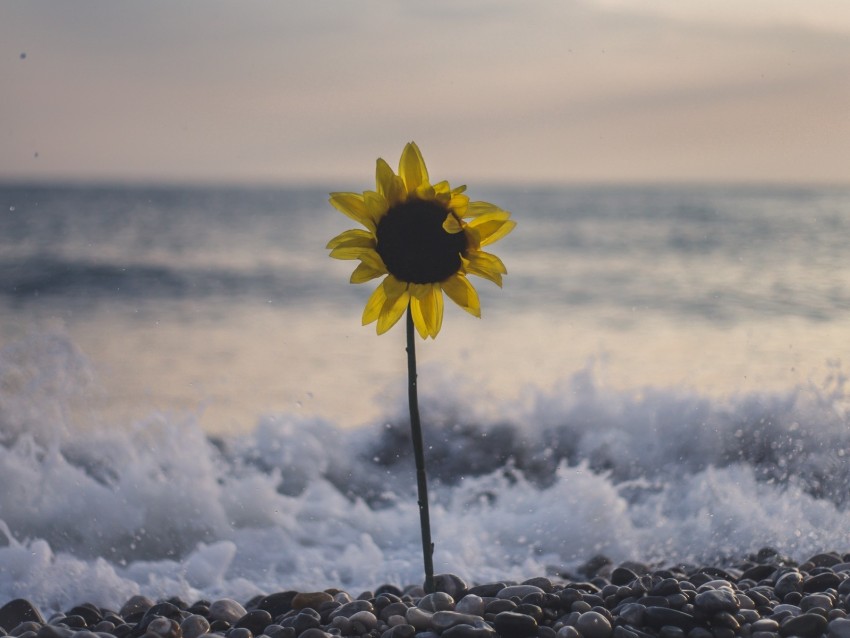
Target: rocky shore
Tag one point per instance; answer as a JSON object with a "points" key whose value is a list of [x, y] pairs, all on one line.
{"points": [[766, 596]]}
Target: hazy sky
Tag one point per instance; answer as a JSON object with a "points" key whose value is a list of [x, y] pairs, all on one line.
{"points": [[548, 90]]}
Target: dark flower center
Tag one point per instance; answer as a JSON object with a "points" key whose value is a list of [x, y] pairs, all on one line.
{"points": [[413, 244]]}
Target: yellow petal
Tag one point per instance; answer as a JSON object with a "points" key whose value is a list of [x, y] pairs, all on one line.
{"points": [[396, 303], [483, 208], [485, 265], [490, 228], [376, 207], [459, 203], [451, 224], [353, 205], [411, 168], [370, 267], [350, 252], [374, 304], [443, 193], [389, 184], [353, 237], [459, 290], [426, 308]]}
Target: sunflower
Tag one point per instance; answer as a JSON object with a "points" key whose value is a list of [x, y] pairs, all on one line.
{"points": [[424, 239]]}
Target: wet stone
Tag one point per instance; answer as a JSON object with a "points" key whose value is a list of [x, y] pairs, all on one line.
{"points": [[17, 611], [442, 620], [520, 591], [450, 584], [88, 612], [74, 622], [510, 624], [165, 627], [623, 576], [839, 628], [313, 600], [135, 608], [632, 613], [226, 609], [713, 601], [470, 604], [805, 625], [668, 631], [363, 622], [568, 631], [821, 582], [489, 590], [470, 631], [349, 609], [393, 609], [788, 583], [53, 631], [657, 617], [438, 601], [307, 618], [593, 625], [277, 604], [194, 626], [823, 601], [400, 631], [240, 632], [314, 633], [255, 621]]}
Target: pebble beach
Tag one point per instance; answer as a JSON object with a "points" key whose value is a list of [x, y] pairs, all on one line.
{"points": [[766, 596]]}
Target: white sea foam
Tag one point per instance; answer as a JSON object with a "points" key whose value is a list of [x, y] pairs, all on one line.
{"points": [[92, 510]]}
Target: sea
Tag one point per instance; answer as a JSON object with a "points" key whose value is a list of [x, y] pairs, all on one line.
{"points": [[190, 406]]}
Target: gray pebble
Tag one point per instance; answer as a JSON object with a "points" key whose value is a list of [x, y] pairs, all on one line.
{"points": [[713, 601], [226, 609], [510, 624], [194, 626], [438, 601], [470, 604], [442, 620], [592, 624], [520, 591], [805, 625], [839, 628]]}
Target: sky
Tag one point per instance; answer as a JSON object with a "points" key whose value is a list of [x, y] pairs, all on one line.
{"points": [[549, 91]]}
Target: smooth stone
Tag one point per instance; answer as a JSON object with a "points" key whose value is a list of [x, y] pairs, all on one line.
{"points": [[165, 609], [363, 622], [632, 613], [619, 632], [805, 625], [470, 631], [510, 624], [277, 604], [821, 582], [400, 631], [669, 631], [194, 626], [657, 617], [419, 618], [438, 601], [791, 610], [714, 601], [307, 618], [488, 590], [470, 604], [314, 632], [788, 583], [623, 576], [88, 612], [135, 608], [520, 591], [313, 600], [343, 624], [592, 624], [240, 632], [499, 605], [824, 601], [824, 560], [165, 627], [568, 631], [255, 620], [279, 631], [450, 584], [393, 609], [765, 624], [839, 628], [75, 622], [53, 631], [25, 627], [349, 609], [17, 611], [542, 582], [442, 620], [226, 609]]}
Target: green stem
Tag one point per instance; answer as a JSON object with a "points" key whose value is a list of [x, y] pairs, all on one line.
{"points": [[419, 454]]}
